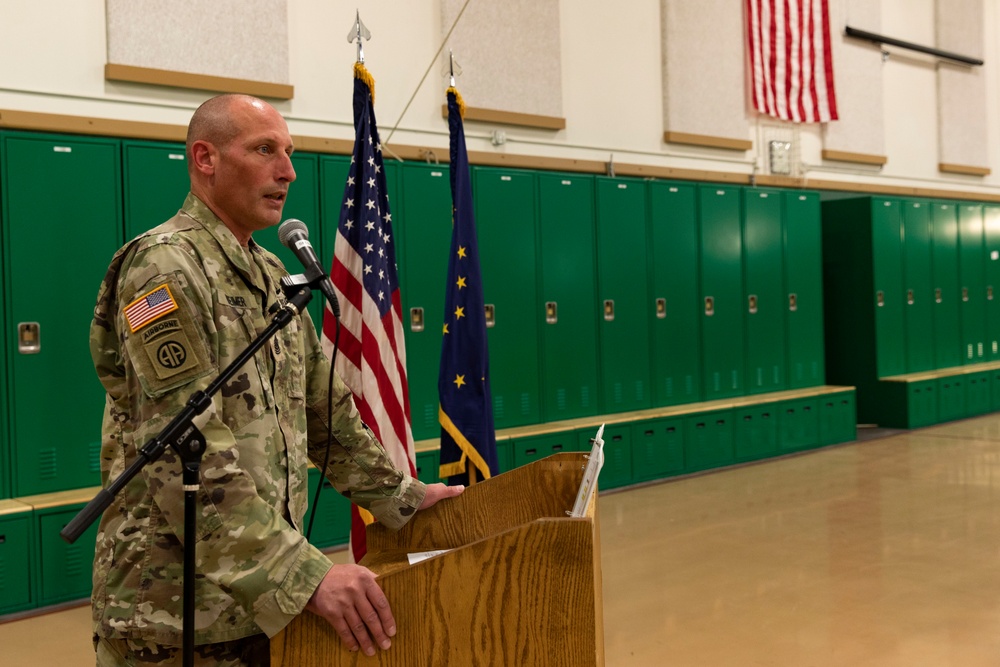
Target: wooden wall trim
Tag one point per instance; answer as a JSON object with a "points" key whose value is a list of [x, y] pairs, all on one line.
{"points": [[707, 140], [858, 158], [510, 118], [218, 84], [968, 170], [42, 122], [46, 122]]}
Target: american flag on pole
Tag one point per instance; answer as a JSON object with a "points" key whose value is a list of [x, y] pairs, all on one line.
{"points": [[372, 359], [790, 59]]}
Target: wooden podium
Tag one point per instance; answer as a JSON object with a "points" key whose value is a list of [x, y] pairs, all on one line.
{"points": [[521, 584]]}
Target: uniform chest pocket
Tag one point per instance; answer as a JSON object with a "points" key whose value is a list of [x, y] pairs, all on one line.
{"points": [[249, 393]]}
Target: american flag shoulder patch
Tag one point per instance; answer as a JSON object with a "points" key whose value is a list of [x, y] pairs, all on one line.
{"points": [[150, 306]]}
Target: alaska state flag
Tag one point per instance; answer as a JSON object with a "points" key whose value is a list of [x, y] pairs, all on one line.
{"points": [[468, 440]]}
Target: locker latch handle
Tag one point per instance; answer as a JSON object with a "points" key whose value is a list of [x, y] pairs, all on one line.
{"points": [[661, 309], [989, 292], [793, 302], [29, 338], [551, 312], [909, 297], [709, 306], [416, 319], [965, 294], [491, 315], [937, 295], [609, 310], [752, 303]]}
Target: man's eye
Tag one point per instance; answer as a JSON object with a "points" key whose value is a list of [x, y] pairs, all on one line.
{"points": [[264, 150]]}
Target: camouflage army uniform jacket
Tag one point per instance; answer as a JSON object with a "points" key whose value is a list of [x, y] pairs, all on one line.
{"points": [[178, 304]]}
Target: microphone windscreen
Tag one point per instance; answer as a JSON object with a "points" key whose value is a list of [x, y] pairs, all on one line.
{"points": [[288, 228]]}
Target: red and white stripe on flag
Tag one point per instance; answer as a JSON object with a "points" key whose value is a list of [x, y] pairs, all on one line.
{"points": [[372, 358], [790, 59]]}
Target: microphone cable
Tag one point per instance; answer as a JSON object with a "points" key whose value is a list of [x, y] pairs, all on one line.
{"points": [[329, 429]]}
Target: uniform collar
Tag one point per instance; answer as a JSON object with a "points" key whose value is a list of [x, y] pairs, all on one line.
{"points": [[236, 254]]}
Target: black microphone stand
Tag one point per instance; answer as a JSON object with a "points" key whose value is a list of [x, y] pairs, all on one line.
{"points": [[189, 443]]}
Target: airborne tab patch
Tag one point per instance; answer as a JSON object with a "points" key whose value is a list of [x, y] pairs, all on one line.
{"points": [[150, 306]]}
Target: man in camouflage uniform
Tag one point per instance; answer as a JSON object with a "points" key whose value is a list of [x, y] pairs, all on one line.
{"points": [[178, 304]]}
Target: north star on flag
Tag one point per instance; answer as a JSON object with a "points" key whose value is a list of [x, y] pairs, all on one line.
{"points": [[372, 359], [466, 408], [791, 60]]}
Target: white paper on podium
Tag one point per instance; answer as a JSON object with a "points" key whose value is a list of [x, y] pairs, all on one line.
{"points": [[589, 484], [418, 556]]}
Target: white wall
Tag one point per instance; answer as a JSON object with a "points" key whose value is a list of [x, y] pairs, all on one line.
{"points": [[53, 53]]}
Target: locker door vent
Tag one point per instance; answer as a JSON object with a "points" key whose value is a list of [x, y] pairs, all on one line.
{"points": [[48, 463]]}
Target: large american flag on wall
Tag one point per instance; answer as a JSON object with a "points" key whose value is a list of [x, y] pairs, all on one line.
{"points": [[790, 59], [372, 359]]}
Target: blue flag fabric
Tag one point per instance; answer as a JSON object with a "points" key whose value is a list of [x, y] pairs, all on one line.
{"points": [[466, 406]]}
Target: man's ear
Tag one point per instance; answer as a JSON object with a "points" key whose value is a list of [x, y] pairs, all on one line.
{"points": [[204, 157]]}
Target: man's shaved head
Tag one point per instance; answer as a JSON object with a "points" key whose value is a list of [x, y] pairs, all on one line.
{"points": [[215, 122]]}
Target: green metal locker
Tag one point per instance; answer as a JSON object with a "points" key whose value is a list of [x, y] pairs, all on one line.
{"points": [[505, 215], [673, 269], [763, 290], [155, 183], [65, 570], [658, 448], [889, 297], [951, 398], [798, 424], [625, 309], [972, 276], [709, 440], [948, 348], [977, 394], [17, 559], [5, 454], [62, 194], [995, 390], [756, 431], [803, 307], [332, 524], [917, 283], [425, 222], [991, 229], [533, 448], [723, 307], [568, 290], [837, 418], [428, 466]]}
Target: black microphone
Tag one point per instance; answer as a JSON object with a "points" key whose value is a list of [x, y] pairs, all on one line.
{"points": [[294, 235]]}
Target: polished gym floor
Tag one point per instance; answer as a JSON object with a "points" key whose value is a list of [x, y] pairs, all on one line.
{"points": [[884, 552]]}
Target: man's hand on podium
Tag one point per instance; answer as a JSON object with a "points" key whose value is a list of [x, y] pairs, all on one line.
{"points": [[436, 492], [350, 600], [354, 604]]}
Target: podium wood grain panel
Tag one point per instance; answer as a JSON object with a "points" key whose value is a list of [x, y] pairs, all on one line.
{"points": [[525, 589]]}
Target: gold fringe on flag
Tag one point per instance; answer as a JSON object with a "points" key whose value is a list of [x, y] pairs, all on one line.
{"points": [[361, 72], [458, 100]]}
